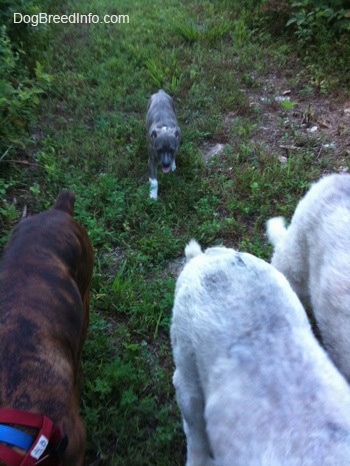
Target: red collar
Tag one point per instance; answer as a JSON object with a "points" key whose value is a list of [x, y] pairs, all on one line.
{"points": [[48, 446]]}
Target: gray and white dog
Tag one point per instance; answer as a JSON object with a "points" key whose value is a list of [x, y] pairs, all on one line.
{"points": [[164, 136]]}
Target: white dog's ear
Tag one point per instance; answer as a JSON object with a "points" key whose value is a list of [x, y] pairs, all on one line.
{"points": [[192, 250], [154, 134]]}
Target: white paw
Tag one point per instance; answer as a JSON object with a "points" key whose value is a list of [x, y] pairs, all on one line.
{"points": [[153, 194], [173, 166]]}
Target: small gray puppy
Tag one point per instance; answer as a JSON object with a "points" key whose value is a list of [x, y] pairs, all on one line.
{"points": [[164, 136]]}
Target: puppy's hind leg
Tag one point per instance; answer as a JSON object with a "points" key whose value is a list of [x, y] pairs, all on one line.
{"points": [[153, 194], [191, 402]]}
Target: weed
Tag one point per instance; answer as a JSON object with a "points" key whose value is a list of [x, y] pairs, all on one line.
{"points": [[189, 31], [288, 105], [313, 17]]}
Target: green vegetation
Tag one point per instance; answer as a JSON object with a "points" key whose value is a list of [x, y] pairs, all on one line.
{"points": [[73, 101], [315, 19], [22, 79]]}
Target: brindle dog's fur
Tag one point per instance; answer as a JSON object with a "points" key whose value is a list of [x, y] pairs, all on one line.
{"points": [[45, 275]]}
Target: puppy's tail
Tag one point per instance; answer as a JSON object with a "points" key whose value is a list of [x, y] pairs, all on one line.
{"points": [[276, 230], [192, 250]]}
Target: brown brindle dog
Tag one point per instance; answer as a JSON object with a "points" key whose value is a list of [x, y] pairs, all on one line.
{"points": [[45, 276]]}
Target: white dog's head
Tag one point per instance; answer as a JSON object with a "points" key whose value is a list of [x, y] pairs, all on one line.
{"points": [[223, 274]]}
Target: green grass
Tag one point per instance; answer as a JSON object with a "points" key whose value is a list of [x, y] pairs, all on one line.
{"points": [[212, 56]]}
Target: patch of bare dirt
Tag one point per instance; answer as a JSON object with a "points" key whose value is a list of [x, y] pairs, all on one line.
{"points": [[174, 268], [290, 120], [212, 150], [114, 260]]}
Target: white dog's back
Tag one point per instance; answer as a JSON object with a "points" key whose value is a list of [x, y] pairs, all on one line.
{"points": [[243, 348], [314, 255]]}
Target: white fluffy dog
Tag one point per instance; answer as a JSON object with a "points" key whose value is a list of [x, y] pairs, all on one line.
{"points": [[253, 385], [314, 255]]}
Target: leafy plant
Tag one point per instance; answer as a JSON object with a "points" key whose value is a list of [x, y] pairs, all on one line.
{"points": [[19, 91], [314, 17], [288, 105]]}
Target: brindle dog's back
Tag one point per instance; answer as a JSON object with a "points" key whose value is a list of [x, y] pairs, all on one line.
{"points": [[45, 274]]}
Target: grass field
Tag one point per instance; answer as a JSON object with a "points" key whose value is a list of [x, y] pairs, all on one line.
{"points": [[230, 75]]}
